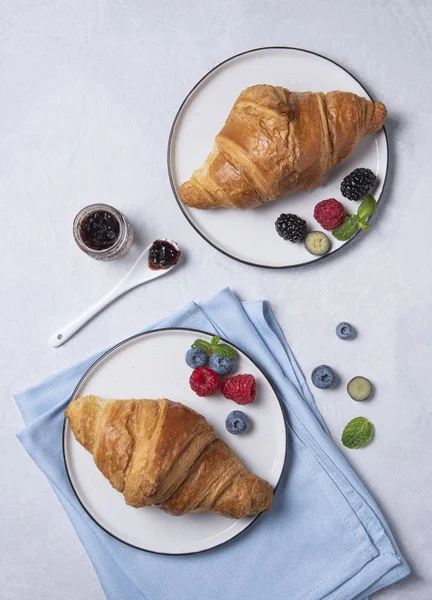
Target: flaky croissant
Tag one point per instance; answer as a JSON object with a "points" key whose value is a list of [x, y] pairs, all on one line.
{"points": [[275, 141], [161, 453]]}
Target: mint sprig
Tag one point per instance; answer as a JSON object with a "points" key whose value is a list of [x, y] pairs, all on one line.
{"points": [[347, 230], [367, 207], [357, 433], [359, 221], [215, 347], [224, 350], [202, 345]]}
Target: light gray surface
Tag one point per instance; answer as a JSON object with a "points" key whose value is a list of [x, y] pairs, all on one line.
{"points": [[88, 94]]}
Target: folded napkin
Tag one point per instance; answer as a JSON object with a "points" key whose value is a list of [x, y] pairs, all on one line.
{"points": [[324, 538]]}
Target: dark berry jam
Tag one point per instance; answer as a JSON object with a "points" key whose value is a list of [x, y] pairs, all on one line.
{"points": [[163, 255], [100, 230]]}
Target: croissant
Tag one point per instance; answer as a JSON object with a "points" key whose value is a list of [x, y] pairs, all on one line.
{"points": [[275, 141], [162, 453]]}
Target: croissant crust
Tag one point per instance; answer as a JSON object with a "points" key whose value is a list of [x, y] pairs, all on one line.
{"points": [[275, 141], [162, 453]]}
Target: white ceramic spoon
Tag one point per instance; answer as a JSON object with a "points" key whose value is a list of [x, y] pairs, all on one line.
{"points": [[139, 273]]}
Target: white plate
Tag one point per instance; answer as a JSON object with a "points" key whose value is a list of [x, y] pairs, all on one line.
{"points": [[152, 365], [250, 236]]}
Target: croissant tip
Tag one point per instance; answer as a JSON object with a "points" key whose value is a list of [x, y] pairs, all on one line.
{"points": [[68, 411], [379, 115], [191, 195]]}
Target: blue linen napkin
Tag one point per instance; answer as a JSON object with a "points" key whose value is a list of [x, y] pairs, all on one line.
{"points": [[324, 538]]}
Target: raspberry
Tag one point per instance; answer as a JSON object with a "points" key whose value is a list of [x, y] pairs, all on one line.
{"points": [[204, 382], [240, 388], [329, 213]]}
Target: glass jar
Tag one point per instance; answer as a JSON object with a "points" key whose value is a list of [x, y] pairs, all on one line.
{"points": [[102, 232]]}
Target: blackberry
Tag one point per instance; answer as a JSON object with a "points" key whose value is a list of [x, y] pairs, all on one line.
{"points": [[291, 227], [357, 184]]}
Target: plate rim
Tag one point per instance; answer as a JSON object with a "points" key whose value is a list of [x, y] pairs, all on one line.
{"points": [[113, 349], [170, 140]]}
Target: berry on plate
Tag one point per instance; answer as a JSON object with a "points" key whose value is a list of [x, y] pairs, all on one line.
{"points": [[329, 213], [221, 365], [291, 227], [237, 422], [317, 243], [195, 357], [356, 222], [360, 388], [240, 388], [323, 377], [357, 184], [345, 331], [204, 382]]}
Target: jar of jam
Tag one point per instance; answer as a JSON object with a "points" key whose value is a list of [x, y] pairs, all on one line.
{"points": [[102, 232]]}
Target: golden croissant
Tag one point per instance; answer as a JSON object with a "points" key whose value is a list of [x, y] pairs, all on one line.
{"points": [[162, 453], [275, 141]]}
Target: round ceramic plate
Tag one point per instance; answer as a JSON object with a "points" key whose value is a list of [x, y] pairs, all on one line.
{"points": [[250, 236], [152, 365]]}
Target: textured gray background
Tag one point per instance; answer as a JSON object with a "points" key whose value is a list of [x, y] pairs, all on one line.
{"points": [[88, 94]]}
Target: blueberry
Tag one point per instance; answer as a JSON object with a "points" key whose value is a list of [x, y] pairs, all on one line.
{"points": [[195, 357], [360, 389], [237, 422], [345, 331], [222, 366], [323, 377]]}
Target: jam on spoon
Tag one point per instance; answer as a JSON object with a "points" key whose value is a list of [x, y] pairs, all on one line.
{"points": [[163, 254]]}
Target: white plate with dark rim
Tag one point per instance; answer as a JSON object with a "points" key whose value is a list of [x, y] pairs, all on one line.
{"points": [[250, 236], [152, 365]]}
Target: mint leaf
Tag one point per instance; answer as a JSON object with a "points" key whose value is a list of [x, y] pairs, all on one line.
{"points": [[358, 433], [224, 350], [348, 229], [202, 345], [364, 224], [367, 207], [215, 340]]}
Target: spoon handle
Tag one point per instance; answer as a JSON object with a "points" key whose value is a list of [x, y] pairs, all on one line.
{"points": [[138, 274], [62, 335]]}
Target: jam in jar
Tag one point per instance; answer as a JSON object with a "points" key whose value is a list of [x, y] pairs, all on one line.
{"points": [[102, 232]]}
